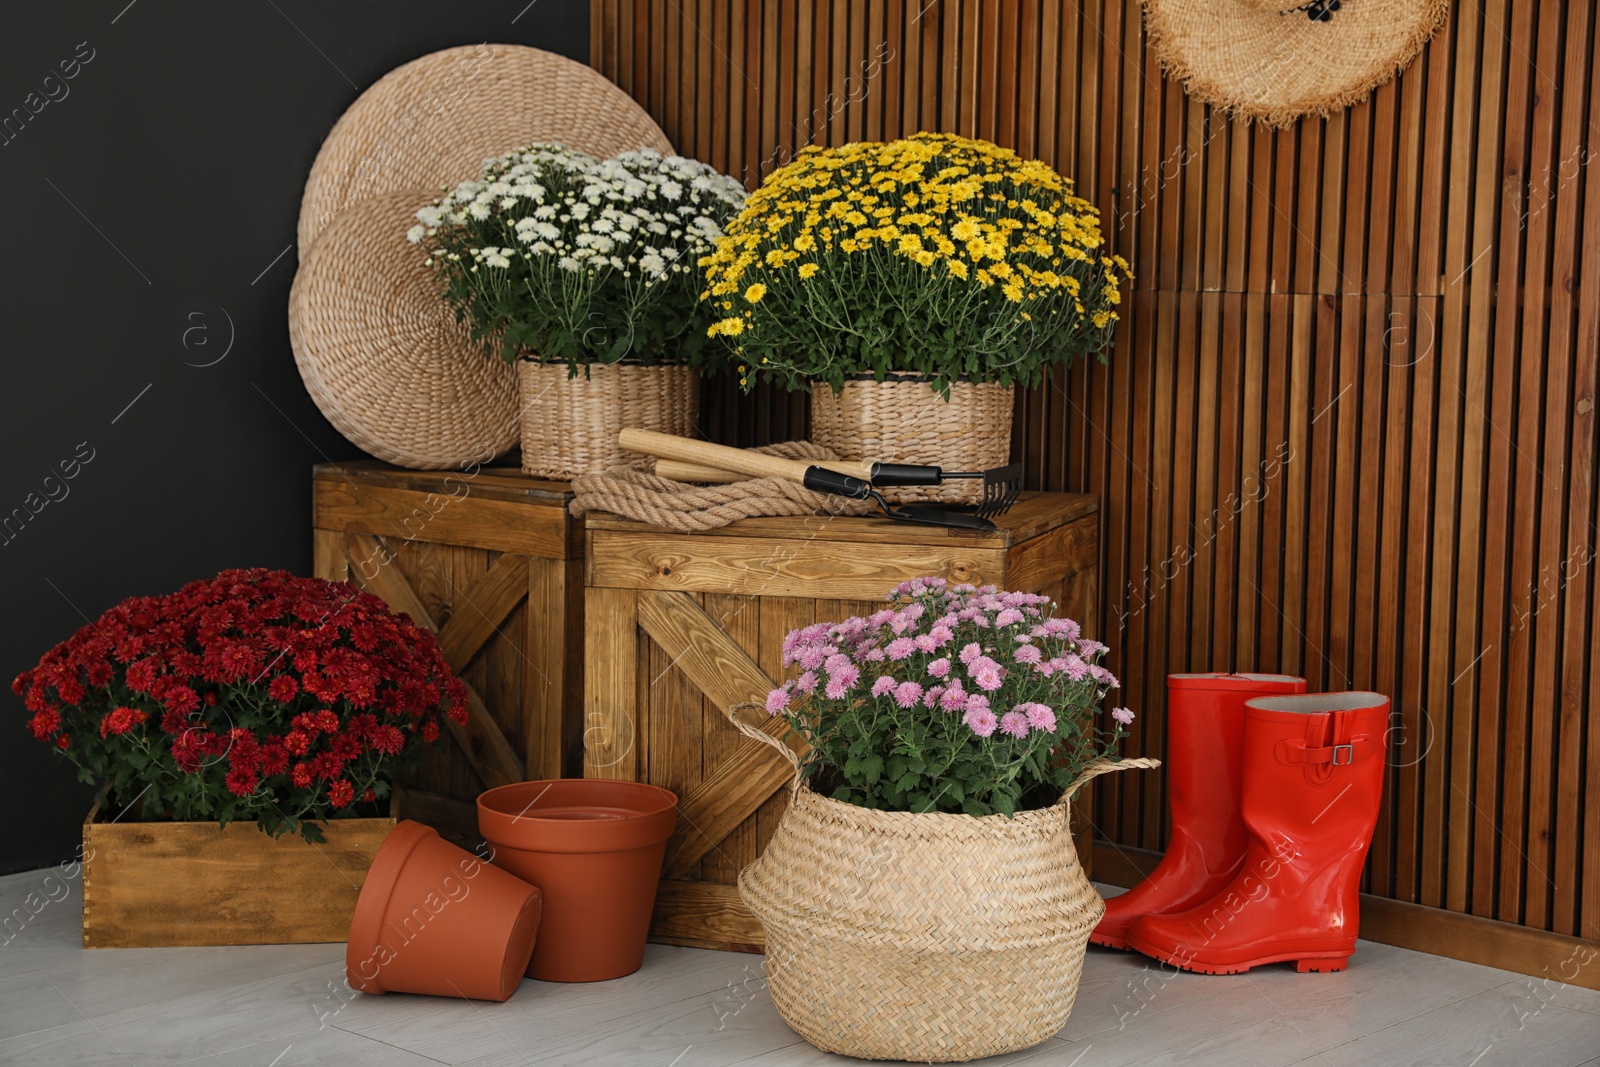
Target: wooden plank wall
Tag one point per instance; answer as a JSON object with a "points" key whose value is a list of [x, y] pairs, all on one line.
{"points": [[1348, 429]]}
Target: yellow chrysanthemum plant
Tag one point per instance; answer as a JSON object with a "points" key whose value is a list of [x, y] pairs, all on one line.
{"points": [[938, 256]]}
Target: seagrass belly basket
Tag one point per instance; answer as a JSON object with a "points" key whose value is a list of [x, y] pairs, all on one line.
{"points": [[929, 937]]}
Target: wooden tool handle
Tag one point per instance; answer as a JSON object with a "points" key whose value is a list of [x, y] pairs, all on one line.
{"points": [[751, 464], [695, 472], [679, 471]]}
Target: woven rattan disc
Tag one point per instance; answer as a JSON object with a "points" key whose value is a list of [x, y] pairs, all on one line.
{"points": [[433, 122], [381, 352]]}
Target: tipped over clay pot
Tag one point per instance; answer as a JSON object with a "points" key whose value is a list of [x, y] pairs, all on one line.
{"points": [[434, 918], [594, 848]]}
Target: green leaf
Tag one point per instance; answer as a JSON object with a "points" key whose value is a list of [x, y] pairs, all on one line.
{"points": [[872, 769]]}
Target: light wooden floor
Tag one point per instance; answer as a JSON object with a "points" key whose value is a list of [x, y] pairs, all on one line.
{"points": [[281, 1006]]}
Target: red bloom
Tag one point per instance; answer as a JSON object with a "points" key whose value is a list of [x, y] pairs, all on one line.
{"points": [[63, 741], [184, 753], [341, 793], [345, 746], [274, 756], [283, 688], [68, 688], [388, 740], [327, 721], [430, 731], [241, 781], [45, 723], [301, 775], [297, 742], [327, 766], [180, 698], [142, 674], [121, 720], [369, 796]]}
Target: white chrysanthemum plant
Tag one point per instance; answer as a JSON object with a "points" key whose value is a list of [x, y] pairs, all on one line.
{"points": [[553, 255]]}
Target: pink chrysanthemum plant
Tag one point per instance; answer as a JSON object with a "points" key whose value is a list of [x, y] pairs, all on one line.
{"points": [[951, 699]]}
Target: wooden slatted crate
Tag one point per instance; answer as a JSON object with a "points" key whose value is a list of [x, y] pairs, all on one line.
{"points": [[490, 561], [680, 627]]}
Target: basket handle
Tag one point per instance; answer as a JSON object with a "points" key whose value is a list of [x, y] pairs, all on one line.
{"points": [[1106, 766], [755, 732]]}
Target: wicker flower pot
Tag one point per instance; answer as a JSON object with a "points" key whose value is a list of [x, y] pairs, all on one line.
{"points": [[902, 420], [570, 425], [893, 935]]}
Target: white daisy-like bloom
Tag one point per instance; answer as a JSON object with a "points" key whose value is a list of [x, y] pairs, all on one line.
{"points": [[545, 211], [567, 263], [429, 216], [497, 261], [478, 211], [652, 263], [416, 234]]}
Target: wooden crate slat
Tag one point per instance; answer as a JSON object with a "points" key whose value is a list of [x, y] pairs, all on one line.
{"points": [[703, 915], [482, 607], [610, 685], [693, 563], [701, 649], [729, 795], [441, 518]]}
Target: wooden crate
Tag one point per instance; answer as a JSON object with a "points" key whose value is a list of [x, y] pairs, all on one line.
{"points": [[491, 562], [155, 884], [680, 627]]}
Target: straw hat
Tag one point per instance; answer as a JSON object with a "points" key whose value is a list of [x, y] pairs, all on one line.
{"points": [[433, 122], [1275, 60], [381, 351]]}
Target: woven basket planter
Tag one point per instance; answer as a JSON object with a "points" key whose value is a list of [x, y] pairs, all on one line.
{"points": [[570, 424], [902, 420], [899, 936]]}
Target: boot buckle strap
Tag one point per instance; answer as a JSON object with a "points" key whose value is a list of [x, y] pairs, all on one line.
{"points": [[1340, 755]]}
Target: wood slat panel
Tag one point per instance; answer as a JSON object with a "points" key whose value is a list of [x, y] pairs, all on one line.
{"points": [[1390, 319]]}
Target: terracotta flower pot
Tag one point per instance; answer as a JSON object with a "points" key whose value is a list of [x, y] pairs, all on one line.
{"points": [[594, 848], [434, 918]]}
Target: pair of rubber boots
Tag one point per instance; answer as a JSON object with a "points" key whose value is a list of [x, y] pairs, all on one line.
{"points": [[1275, 796]]}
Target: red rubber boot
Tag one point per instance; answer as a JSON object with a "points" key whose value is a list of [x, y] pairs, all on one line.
{"points": [[1205, 741], [1313, 782]]}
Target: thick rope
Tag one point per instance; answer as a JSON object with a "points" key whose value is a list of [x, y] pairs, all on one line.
{"points": [[633, 494]]}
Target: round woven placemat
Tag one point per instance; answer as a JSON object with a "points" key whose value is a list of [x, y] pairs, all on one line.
{"points": [[381, 352], [433, 122]]}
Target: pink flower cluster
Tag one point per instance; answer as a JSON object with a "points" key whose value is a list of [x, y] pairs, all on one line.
{"points": [[955, 649]]}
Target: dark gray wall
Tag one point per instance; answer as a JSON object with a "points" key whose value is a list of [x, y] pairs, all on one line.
{"points": [[165, 176]]}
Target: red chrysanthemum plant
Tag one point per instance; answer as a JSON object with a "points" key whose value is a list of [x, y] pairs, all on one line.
{"points": [[252, 695]]}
